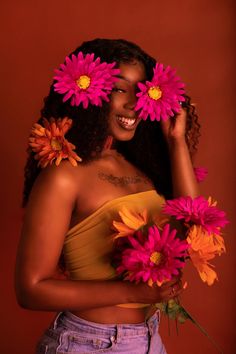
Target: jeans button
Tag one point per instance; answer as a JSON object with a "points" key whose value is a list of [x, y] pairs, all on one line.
{"points": [[113, 338]]}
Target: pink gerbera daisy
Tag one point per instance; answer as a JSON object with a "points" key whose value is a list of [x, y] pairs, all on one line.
{"points": [[153, 258], [83, 79], [197, 211], [200, 173], [49, 143], [161, 97]]}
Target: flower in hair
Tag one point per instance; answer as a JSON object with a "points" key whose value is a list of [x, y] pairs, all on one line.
{"points": [[200, 173], [199, 211], [85, 80], [161, 97], [49, 143], [153, 257]]}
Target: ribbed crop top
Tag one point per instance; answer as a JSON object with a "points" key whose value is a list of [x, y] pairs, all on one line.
{"points": [[88, 244]]}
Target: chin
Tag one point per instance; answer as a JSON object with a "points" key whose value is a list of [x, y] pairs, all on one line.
{"points": [[123, 136]]}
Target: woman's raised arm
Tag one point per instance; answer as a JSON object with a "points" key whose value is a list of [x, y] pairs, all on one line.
{"points": [[183, 178]]}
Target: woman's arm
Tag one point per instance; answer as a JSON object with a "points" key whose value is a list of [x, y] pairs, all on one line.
{"points": [[183, 177], [46, 222]]}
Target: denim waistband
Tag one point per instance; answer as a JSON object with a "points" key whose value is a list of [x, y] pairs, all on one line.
{"points": [[74, 323]]}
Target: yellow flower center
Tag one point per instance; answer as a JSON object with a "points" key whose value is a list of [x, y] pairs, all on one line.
{"points": [[83, 82], [155, 92], [55, 144], [156, 257]]}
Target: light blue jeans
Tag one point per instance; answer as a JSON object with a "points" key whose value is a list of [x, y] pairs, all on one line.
{"points": [[72, 335]]}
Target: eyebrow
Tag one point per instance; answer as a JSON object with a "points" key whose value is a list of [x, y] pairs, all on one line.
{"points": [[124, 78]]}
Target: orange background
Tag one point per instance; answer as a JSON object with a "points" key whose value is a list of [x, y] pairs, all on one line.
{"points": [[195, 36]]}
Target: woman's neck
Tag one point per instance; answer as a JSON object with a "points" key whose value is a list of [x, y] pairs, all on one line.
{"points": [[109, 144]]}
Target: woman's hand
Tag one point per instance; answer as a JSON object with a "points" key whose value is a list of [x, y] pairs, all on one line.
{"points": [[174, 128], [156, 294]]}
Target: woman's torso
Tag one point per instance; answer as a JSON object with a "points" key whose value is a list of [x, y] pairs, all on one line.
{"points": [[101, 182]]}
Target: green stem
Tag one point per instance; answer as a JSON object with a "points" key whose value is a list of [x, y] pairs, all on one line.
{"points": [[202, 330]]}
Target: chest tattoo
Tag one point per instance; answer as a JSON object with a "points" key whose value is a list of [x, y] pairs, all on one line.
{"points": [[123, 180]]}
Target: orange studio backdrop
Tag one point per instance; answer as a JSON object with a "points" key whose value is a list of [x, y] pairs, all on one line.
{"points": [[196, 37]]}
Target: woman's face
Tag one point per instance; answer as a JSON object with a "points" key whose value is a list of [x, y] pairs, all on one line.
{"points": [[122, 119]]}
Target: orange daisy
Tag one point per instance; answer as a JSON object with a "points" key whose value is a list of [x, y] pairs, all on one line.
{"points": [[49, 143], [204, 247], [132, 221]]}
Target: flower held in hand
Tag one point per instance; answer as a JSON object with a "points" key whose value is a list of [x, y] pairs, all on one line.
{"points": [[204, 247], [153, 258], [161, 97], [197, 211]]}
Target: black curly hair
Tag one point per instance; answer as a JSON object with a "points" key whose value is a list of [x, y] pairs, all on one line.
{"points": [[147, 150]]}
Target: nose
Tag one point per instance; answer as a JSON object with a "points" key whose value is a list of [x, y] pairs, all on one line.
{"points": [[131, 101]]}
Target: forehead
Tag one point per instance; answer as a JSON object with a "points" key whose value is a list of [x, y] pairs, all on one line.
{"points": [[132, 72]]}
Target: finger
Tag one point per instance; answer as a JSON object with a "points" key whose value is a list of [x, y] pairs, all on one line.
{"points": [[173, 286], [165, 124], [175, 292], [170, 283], [182, 112]]}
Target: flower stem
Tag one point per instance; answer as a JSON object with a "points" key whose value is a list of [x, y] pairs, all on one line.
{"points": [[202, 330]]}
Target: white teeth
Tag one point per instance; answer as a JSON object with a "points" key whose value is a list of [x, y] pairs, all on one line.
{"points": [[127, 121]]}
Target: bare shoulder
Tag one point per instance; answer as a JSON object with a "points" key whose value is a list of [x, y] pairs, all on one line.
{"points": [[62, 178], [52, 200], [65, 172]]}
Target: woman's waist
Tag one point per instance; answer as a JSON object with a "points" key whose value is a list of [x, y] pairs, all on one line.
{"points": [[117, 314], [79, 328]]}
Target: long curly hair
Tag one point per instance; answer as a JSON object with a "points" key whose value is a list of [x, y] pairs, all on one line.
{"points": [[147, 150]]}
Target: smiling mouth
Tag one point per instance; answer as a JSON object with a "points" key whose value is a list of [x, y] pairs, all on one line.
{"points": [[127, 123]]}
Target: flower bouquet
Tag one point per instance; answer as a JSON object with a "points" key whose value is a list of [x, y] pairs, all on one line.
{"points": [[152, 251]]}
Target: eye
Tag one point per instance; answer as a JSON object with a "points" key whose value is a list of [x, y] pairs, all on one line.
{"points": [[137, 89], [117, 89]]}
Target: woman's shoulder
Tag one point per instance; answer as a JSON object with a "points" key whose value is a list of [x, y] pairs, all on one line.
{"points": [[63, 177]]}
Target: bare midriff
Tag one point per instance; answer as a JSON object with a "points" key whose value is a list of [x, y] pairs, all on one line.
{"points": [[114, 314]]}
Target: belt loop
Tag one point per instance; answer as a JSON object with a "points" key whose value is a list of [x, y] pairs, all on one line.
{"points": [[56, 320], [118, 333], [150, 327]]}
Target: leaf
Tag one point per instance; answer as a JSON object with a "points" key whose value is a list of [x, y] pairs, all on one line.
{"points": [[173, 310]]}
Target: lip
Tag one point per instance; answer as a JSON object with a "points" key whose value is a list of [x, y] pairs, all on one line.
{"points": [[124, 122]]}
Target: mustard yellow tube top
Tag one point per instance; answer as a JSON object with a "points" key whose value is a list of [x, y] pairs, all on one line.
{"points": [[88, 244]]}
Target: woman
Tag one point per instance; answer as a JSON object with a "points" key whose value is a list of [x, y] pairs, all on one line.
{"points": [[127, 161]]}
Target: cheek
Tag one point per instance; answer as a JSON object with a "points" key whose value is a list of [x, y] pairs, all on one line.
{"points": [[116, 103]]}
